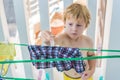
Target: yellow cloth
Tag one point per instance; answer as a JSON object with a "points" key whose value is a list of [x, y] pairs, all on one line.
{"points": [[7, 52], [7, 49], [68, 78]]}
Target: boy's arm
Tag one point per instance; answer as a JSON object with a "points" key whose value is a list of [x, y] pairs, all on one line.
{"points": [[92, 63]]}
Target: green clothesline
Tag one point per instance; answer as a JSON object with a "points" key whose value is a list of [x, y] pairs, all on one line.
{"points": [[48, 60], [63, 59], [12, 78], [82, 49], [60, 59], [20, 44]]}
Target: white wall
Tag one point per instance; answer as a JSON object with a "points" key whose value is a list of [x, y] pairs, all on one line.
{"points": [[113, 65]]}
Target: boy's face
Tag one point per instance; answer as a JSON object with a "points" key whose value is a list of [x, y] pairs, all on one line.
{"points": [[74, 28]]}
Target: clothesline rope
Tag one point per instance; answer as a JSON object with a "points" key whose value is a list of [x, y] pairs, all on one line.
{"points": [[60, 59], [82, 49], [9, 78]]}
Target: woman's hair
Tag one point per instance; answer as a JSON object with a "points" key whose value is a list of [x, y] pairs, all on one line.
{"points": [[78, 12]]}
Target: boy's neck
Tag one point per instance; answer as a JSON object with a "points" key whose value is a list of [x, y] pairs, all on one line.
{"points": [[73, 40]]}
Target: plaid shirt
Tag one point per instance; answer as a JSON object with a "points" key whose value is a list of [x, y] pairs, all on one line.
{"points": [[49, 52]]}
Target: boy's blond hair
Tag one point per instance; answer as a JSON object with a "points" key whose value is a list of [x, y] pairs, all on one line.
{"points": [[78, 12]]}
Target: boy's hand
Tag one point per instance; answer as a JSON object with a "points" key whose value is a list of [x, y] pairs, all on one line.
{"points": [[45, 36], [87, 74]]}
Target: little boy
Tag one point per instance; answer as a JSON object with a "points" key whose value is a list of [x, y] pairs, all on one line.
{"points": [[76, 21]]}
